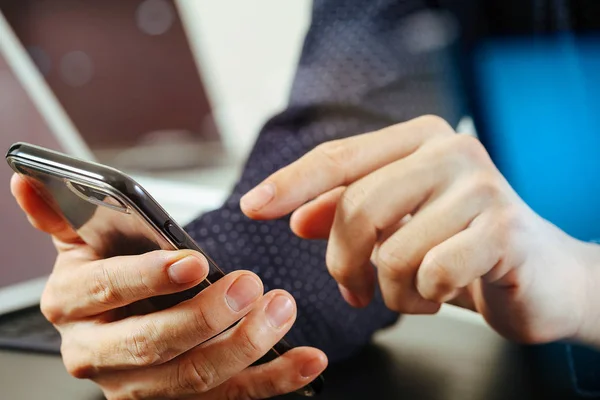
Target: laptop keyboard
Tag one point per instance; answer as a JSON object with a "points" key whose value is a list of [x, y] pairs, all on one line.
{"points": [[28, 330]]}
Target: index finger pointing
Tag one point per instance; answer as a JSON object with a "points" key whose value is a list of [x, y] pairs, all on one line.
{"points": [[337, 163]]}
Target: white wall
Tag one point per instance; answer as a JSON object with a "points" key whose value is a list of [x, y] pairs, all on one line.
{"points": [[247, 51]]}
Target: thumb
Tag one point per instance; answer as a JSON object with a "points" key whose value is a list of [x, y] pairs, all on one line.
{"points": [[40, 214]]}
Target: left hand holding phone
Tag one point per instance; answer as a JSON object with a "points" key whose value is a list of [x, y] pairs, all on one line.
{"points": [[184, 350]]}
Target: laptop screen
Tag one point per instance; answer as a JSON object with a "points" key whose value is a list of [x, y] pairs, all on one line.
{"points": [[27, 254], [125, 74]]}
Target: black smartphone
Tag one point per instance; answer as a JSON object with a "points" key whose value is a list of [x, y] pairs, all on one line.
{"points": [[115, 216]]}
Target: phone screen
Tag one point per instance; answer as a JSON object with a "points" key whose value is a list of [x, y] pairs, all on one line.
{"points": [[107, 223]]}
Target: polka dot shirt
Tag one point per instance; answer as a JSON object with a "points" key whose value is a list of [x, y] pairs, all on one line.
{"points": [[355, 75]]}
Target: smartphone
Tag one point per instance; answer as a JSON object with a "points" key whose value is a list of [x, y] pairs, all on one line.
{"points": [[115, 216]]}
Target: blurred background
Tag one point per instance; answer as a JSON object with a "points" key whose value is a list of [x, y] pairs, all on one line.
{"points": [[171, 92], [174, 92]]}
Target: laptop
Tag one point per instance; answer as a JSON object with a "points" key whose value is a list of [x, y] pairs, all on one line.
{"points": [[126, 75], [34, 109]]}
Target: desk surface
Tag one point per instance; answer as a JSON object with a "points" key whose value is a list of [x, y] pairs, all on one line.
{"points": [[423, 357]]}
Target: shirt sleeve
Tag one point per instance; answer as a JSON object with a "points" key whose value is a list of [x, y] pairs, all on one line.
{"points": [[584, 367], [359, 71]]}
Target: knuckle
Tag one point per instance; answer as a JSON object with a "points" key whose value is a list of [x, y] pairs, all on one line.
{"points": [[508, 218], [437, 275], [75, 364], [435, 124], [236, 391], [338, 271], [271, 387], [196, 375], [393, 303], [141, 283], [203, 324], [337, 152], [485, 186], [507, 222], [407, 303], [351, 205], [103, 286], [391, 263], [142, 346], [250, 346], [50, 306], [469, 147], [79, 371]]}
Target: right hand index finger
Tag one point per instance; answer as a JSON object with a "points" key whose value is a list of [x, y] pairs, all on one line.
{"points": [[40, 214], [338, 163]]}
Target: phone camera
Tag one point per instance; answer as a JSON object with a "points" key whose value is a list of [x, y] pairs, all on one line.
{"points": [[97, 197], [90, 192], [80, 188]]}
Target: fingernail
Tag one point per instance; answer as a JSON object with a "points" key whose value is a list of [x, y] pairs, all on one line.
{"points": [[279, 311], [350, 297], [243, 292], [186, 270], [258, 197], [311, 368]]}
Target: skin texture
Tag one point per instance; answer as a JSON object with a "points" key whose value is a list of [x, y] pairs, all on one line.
{"points": [[424, 213], [185, 351]]}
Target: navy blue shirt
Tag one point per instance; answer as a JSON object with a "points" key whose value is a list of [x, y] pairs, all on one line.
{"points": [[364, 65]]}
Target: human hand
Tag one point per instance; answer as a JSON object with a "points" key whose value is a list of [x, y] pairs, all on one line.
{"points": [[185, 350], [430, 210]]}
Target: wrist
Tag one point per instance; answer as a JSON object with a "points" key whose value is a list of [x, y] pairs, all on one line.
{"points": [[589, 331]]}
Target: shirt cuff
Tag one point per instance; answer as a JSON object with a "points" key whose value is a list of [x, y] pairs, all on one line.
{"points": [[584, 366]]}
